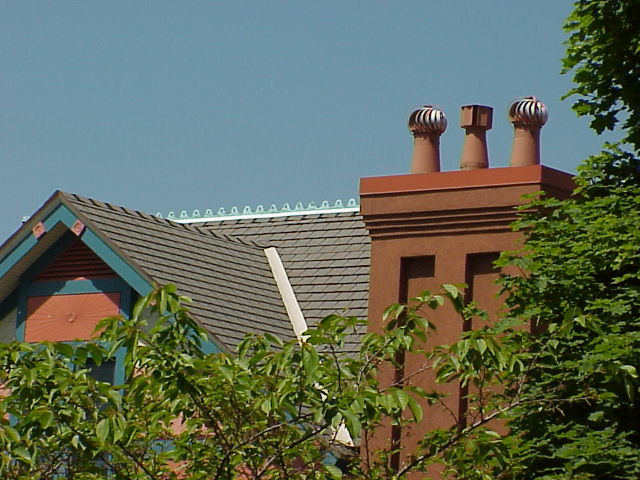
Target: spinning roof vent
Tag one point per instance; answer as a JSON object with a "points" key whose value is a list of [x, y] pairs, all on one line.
{"points": [[528, 115], [426, 124]]}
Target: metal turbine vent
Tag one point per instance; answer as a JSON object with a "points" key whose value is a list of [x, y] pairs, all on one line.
{"points": [[428, 120], [528, 111]]}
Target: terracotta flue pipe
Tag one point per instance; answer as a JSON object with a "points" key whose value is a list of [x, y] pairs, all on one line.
{"points": [[426, 124], [476, 120], [528, 115]]}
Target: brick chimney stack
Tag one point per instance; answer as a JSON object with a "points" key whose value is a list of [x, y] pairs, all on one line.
{"points": [[430, 227], [426, 124], [528, 115], [476, 120]]}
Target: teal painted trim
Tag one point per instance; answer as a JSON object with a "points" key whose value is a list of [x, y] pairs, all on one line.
{"points": [[62, 214], [16, 254], [74, 287], [125, 302], [48, 257], [9, 303], [125, 311], [21, 315], [118, 374], [210, 346], [107, 254]]}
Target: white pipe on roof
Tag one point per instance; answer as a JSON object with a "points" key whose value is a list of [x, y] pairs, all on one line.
{"points": [[294, 312], [297, 320]]}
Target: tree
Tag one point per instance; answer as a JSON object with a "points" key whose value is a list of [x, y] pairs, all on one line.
{"points": [[603, 52], [269, 410], [581, 288], [567, 388], [581, 291]]}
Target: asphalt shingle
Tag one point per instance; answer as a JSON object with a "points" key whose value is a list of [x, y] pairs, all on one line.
{"points": [[229, 279], [326, 257], [222, 266]]}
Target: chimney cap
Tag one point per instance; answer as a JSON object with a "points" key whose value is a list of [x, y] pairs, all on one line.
{"points": [[478, 116], [427, 120], [528, 111]]}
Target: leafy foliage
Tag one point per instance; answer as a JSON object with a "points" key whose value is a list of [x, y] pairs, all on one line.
{"points": [[270, 410], [552, 386], [582, 293], [603, 52], [558, 400]]}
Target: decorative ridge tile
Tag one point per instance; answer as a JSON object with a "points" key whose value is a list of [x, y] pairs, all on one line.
{"points": [[260, 212]]}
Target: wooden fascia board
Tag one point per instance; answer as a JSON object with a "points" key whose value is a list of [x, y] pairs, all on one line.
{"points": [[25, 229]]}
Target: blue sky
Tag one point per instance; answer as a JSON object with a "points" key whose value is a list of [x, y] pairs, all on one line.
{"points": [[163, 106]]}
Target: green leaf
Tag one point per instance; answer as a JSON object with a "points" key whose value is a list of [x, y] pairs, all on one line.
{"points": [[451, 290], [333, 471], [10, 433], [629, 370], [163, 301], [102, 430], [482, 345], [596, 416], [22, 454], [45, 418], [401, 397], [352, 423], [416, 409]]}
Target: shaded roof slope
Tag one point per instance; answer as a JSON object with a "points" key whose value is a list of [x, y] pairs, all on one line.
{"points": [[229, 279], [327, 258]]}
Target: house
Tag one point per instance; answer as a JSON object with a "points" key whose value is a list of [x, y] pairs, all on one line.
{"points": [[77, 260]]}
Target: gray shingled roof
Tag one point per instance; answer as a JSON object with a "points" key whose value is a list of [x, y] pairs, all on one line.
{"points": [[326, 256], [229, 279]]}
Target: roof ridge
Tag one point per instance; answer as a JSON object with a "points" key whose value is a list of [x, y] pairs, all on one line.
{"points": [[273, 211], [168, 222]]}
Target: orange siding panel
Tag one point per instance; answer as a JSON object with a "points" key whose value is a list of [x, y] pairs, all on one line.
{"points": [[61, 318]]}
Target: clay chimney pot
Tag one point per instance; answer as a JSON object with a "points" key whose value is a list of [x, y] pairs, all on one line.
{"points": [[476, 120], [479, 116]]}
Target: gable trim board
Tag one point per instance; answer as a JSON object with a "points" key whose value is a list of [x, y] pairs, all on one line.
{"points": [[62, 214]]}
